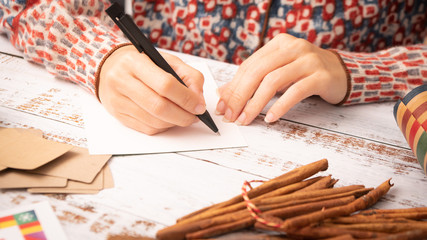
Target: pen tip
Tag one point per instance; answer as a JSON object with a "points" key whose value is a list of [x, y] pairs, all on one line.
{"points": [[217, 133]]}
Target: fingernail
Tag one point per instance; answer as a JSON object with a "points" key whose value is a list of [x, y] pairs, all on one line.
{"points": [[241, 119], [220, 108], [228, 114], [200, 109], [269, 118]]}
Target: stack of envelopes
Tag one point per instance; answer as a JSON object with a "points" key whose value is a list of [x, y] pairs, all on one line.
{"points": [[27, 160]]}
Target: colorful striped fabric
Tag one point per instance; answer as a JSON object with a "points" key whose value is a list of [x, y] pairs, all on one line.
{"points": [[411, 116], [27, 223]]}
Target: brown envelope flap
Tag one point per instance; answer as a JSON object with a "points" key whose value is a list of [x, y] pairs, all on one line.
{"points": [[24, 150], [12, 178], [76, 164]]}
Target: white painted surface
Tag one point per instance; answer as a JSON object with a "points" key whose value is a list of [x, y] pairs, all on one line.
{"points": [[362, 143]]}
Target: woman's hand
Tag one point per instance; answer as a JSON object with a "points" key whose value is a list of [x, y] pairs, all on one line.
{"points": [[289, 65], [146, 98]]}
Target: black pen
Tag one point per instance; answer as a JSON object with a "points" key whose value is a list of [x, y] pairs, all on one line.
{"points": [[134, 34]]}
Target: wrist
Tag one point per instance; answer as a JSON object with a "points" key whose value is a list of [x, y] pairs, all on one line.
{"points": [[348, 78], [98, 70]]}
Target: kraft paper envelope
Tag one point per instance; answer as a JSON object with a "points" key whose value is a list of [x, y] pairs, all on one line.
{"points": [[37, 151], [33, 131], [12, 178], [96, 185], [70, 165], [74, 171], [73, 191], [36, 132], [102, 180]]}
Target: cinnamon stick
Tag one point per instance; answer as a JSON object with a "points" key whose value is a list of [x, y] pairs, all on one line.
{"points": [[309, 207], [325, 232], [410, 213], [233, 213], [179, 230], [222, 229], [367, 219], [341, 237], [399, 210], [361, 203], [293, 176], [312, 194], [349, 190], [407, 235], [324, 182], [277, 214], [386, 227], [290, 188], [283, 212], [253, 236], [355, 193]]}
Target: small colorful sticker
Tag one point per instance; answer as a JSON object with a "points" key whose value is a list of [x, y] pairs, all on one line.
{"points": [[24, 225]]}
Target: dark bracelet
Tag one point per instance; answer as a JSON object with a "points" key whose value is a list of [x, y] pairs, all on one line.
{"points": [[347, 73]]}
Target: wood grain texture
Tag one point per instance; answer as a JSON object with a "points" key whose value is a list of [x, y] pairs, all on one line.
{"points": [[362, 143]]}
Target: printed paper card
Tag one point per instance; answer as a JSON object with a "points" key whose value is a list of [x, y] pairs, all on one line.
{"points": [[35, 221]]}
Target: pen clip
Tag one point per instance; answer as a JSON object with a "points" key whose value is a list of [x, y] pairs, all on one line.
{"points": [[117, 14]]}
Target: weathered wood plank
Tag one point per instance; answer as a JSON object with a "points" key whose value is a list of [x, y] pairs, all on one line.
{"points": [[352, 160], [362, 144], [29, 88]]}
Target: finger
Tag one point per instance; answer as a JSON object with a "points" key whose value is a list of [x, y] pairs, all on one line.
{"points": [[220, 107], [139, 126], [156, 105], [256, 73], [281, 41], [192, 77], [286, 47], [273, 82], [167, 86], [284, 43], [296, 93], [131, 109]]}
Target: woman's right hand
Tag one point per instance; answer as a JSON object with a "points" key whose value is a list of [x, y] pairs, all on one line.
{"points": [[144, 97], [290, 66]]}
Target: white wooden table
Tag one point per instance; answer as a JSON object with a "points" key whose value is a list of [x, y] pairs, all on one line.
{"points": [[362, 143]]}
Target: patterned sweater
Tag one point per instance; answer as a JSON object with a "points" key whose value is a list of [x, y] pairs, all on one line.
{"points": [[380, 41]]}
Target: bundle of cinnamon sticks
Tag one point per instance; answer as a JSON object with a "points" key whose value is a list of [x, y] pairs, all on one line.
{"points": [[300, 206]]}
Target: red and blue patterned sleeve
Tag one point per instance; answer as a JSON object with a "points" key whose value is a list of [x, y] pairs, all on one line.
{"points": [[70, 38], [386, 75]]}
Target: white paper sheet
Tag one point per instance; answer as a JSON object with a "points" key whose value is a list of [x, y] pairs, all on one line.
{"points": [[35, 221], [106, 135]]}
